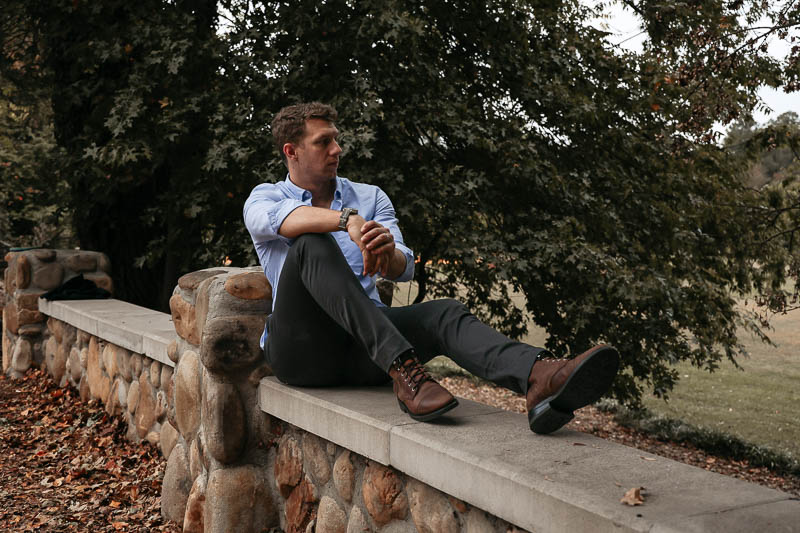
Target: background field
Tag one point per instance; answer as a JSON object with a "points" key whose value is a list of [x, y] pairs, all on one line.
{"points": [[759, 403]]}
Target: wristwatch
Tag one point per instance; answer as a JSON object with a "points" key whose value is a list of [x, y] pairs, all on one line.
{"points": [[346, 212]]}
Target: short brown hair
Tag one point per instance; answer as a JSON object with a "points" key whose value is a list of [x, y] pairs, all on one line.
{"points": [[289, 124]]}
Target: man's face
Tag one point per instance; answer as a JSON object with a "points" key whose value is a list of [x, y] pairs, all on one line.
{"points": [[317, 154]]}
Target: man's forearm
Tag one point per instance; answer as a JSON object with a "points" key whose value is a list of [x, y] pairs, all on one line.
{"points": [[397, 265], [309, 219]]}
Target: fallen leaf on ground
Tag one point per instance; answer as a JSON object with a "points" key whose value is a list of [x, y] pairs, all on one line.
{"points": [[633, 497], [60, 478]]}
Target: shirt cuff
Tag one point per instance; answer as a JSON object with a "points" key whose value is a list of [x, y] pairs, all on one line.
{"points": [[408, 273], [277, 217]]}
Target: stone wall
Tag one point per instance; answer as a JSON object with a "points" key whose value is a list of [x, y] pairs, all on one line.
{"points": [[215, 478], [129, 384], [237, 469], [322, 487], [29, 275], [230, 466]]}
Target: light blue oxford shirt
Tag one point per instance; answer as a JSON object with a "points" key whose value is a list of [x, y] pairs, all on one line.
{"points": [[270, 203]]}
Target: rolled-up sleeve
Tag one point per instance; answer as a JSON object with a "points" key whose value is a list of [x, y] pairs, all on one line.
{"points": [[385, 215], [265, 210]]}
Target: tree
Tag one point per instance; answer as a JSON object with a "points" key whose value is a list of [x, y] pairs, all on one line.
{"points": [[29, 175], [771, 162], [771, 156], [131, 112], [136, 102], [530, 155], [522, 151]]}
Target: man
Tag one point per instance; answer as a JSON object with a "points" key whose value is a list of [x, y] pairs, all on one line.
{"points": [[321, 239]]}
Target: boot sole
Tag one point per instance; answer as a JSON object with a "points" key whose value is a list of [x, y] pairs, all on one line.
{"points": [[587, 384], [428, 416]]}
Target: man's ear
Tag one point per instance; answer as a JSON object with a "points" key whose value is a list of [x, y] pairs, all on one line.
{"points": [[289, 151]]}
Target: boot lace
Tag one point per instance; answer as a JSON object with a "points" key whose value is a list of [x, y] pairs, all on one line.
{"points": [[412, 373]]}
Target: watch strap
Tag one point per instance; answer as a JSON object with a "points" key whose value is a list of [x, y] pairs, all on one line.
{"points": [[346, 212]]}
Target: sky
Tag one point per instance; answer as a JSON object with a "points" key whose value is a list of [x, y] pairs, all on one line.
{"points": [[625, 27]]}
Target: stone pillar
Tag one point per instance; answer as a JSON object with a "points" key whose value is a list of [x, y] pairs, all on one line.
{"points": [[216, 476], [30, 274]]}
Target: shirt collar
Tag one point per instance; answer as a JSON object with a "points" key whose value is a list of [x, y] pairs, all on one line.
{"points": [[302, 194], [297, 192]]}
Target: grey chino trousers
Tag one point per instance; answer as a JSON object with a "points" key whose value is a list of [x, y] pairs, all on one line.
{"points": [[325, 331]]}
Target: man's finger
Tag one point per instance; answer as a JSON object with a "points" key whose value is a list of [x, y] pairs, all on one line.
{"points": [[383, 250], [369, 225], [379, 240], [369, 262], [374, 234]]}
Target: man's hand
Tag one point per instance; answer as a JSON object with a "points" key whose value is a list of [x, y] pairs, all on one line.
{"points": [[379, 242], [374, 240], [354, 225], [376, 243]]}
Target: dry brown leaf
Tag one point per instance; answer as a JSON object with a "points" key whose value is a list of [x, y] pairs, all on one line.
{"points": [[647, 458], [97, 481], [633, 497]]}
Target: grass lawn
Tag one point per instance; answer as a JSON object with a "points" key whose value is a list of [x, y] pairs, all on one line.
{"points": [[760, 404]]}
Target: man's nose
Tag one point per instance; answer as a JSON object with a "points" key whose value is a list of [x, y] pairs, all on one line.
{"points": [[336, 149]]}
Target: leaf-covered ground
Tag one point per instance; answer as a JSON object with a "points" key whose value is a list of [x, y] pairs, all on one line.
{"points": [[65, 465]]}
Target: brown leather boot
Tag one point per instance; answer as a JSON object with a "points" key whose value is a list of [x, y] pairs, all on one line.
{"points": [[556, 387], [417, 393]]}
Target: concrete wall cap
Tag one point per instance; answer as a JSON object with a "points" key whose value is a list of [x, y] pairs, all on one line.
{"points": [[540, 483]]}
